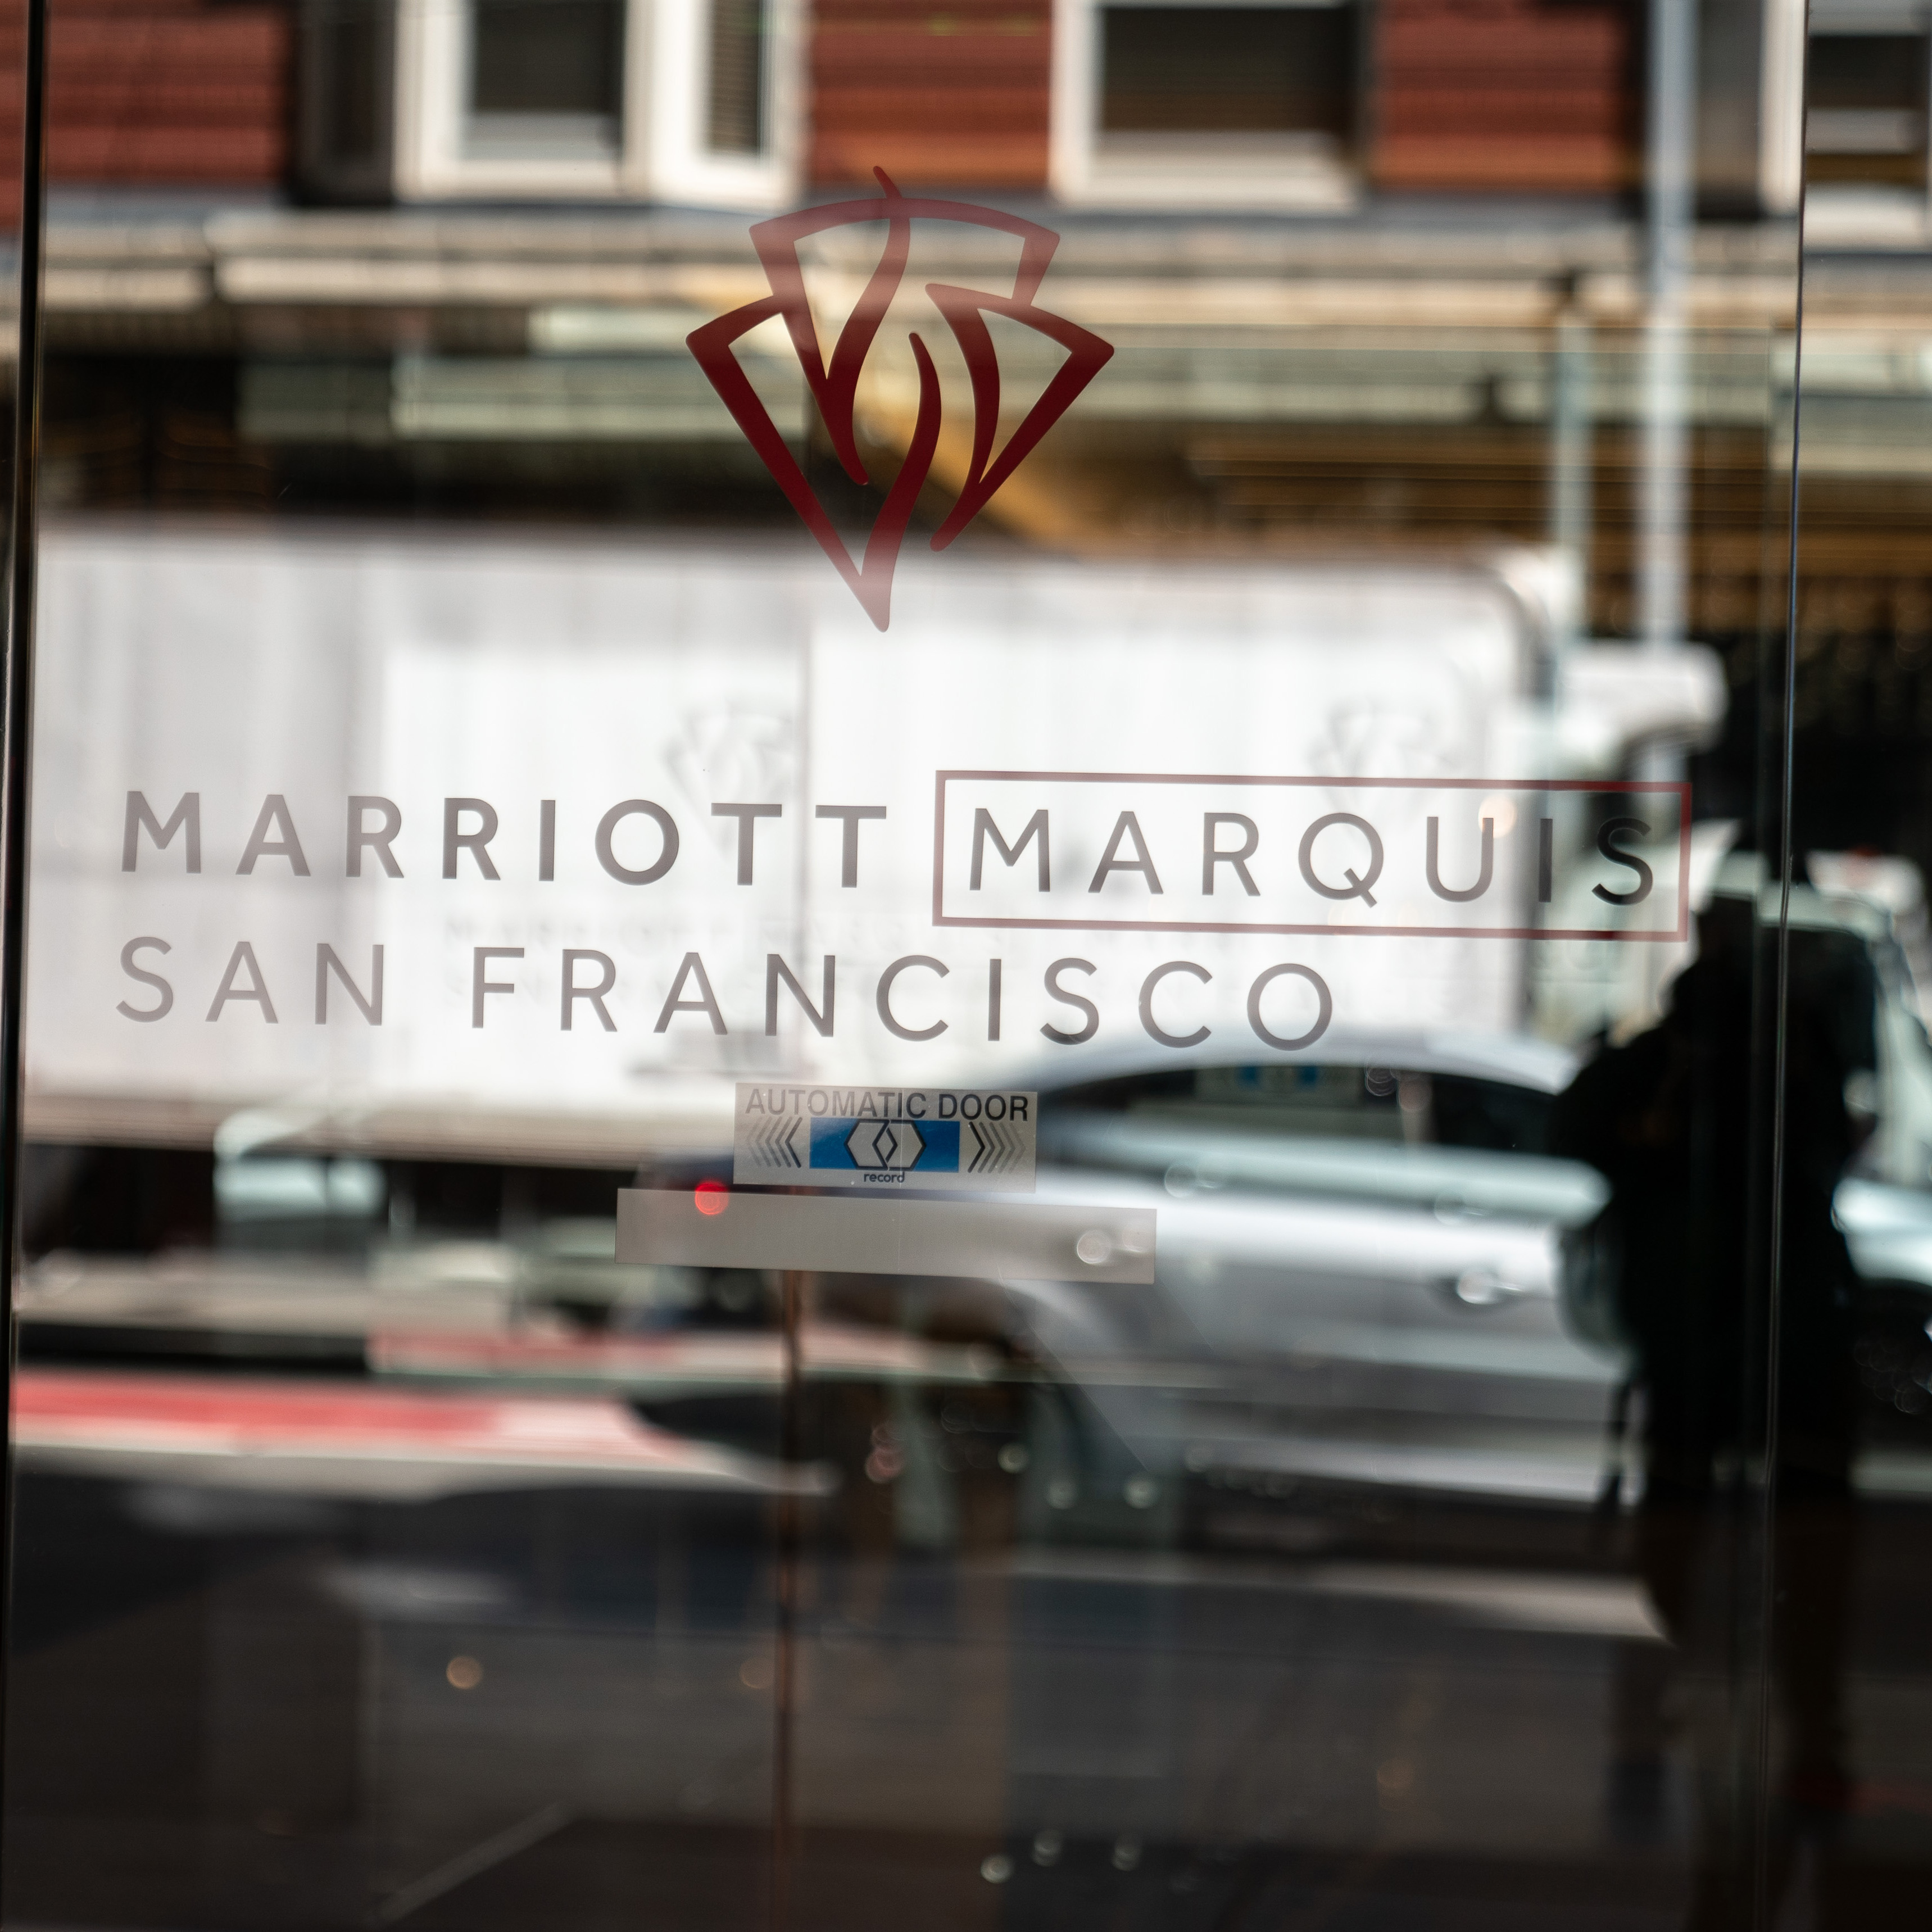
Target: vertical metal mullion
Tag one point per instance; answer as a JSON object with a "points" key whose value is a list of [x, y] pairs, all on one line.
{"points": [[1768, 1360], [16, 729]]}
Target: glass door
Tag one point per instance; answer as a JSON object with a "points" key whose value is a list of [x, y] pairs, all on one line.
{"points": [[928, 1020]]}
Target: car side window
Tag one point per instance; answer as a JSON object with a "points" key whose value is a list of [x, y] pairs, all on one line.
{"points": [[1339, 1101], [1329, 1101], [1471, 1113]]}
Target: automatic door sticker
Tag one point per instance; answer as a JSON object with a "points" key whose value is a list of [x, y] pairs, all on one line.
{"points": [[936, 1137]]}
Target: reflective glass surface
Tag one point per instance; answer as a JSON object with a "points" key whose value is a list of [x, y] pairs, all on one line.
{"points": [[957, 995]]}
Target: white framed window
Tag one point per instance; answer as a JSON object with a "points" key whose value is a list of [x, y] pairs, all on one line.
{"points": [[679, 100], [1234, 103], [1867, 127]]}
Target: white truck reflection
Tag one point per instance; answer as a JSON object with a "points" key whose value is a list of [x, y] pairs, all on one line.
{"points": [[309, 691]]}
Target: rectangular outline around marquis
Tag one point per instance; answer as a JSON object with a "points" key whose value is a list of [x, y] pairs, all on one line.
{"points": [[1676, 935]]}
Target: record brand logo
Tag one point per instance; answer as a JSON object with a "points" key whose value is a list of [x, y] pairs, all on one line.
{"points": [[834, 385]]}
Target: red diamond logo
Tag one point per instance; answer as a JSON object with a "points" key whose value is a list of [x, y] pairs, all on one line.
{"points": [[834, 386]]}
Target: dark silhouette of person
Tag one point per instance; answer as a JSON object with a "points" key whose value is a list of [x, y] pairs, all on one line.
{"points": [[1679, 1121]]}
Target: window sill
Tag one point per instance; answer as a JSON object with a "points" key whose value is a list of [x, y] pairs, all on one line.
{"points": [[1847, 215], [1264, 172]]}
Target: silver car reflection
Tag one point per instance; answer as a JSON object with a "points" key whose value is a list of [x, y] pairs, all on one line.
{"points": [[1371, 1272], [1359, 1275]]}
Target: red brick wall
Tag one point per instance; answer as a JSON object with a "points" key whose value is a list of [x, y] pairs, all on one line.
{"points": [[167, 91], [1469, 94], [956, 97], [1506, 94], [157, 91]]}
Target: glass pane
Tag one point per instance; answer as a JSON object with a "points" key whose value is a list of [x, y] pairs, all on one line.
{"points": [[352, 54], [916, 1029], [545, 76], [737, 80], [345, 67], [1867, 119], [1227, 70], [1854, 1304]]}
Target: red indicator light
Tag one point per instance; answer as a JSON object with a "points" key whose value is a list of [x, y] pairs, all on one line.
{"points": [[711, 1196]]}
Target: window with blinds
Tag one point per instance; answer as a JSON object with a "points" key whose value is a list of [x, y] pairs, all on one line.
{"points": [[735, 89]]}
